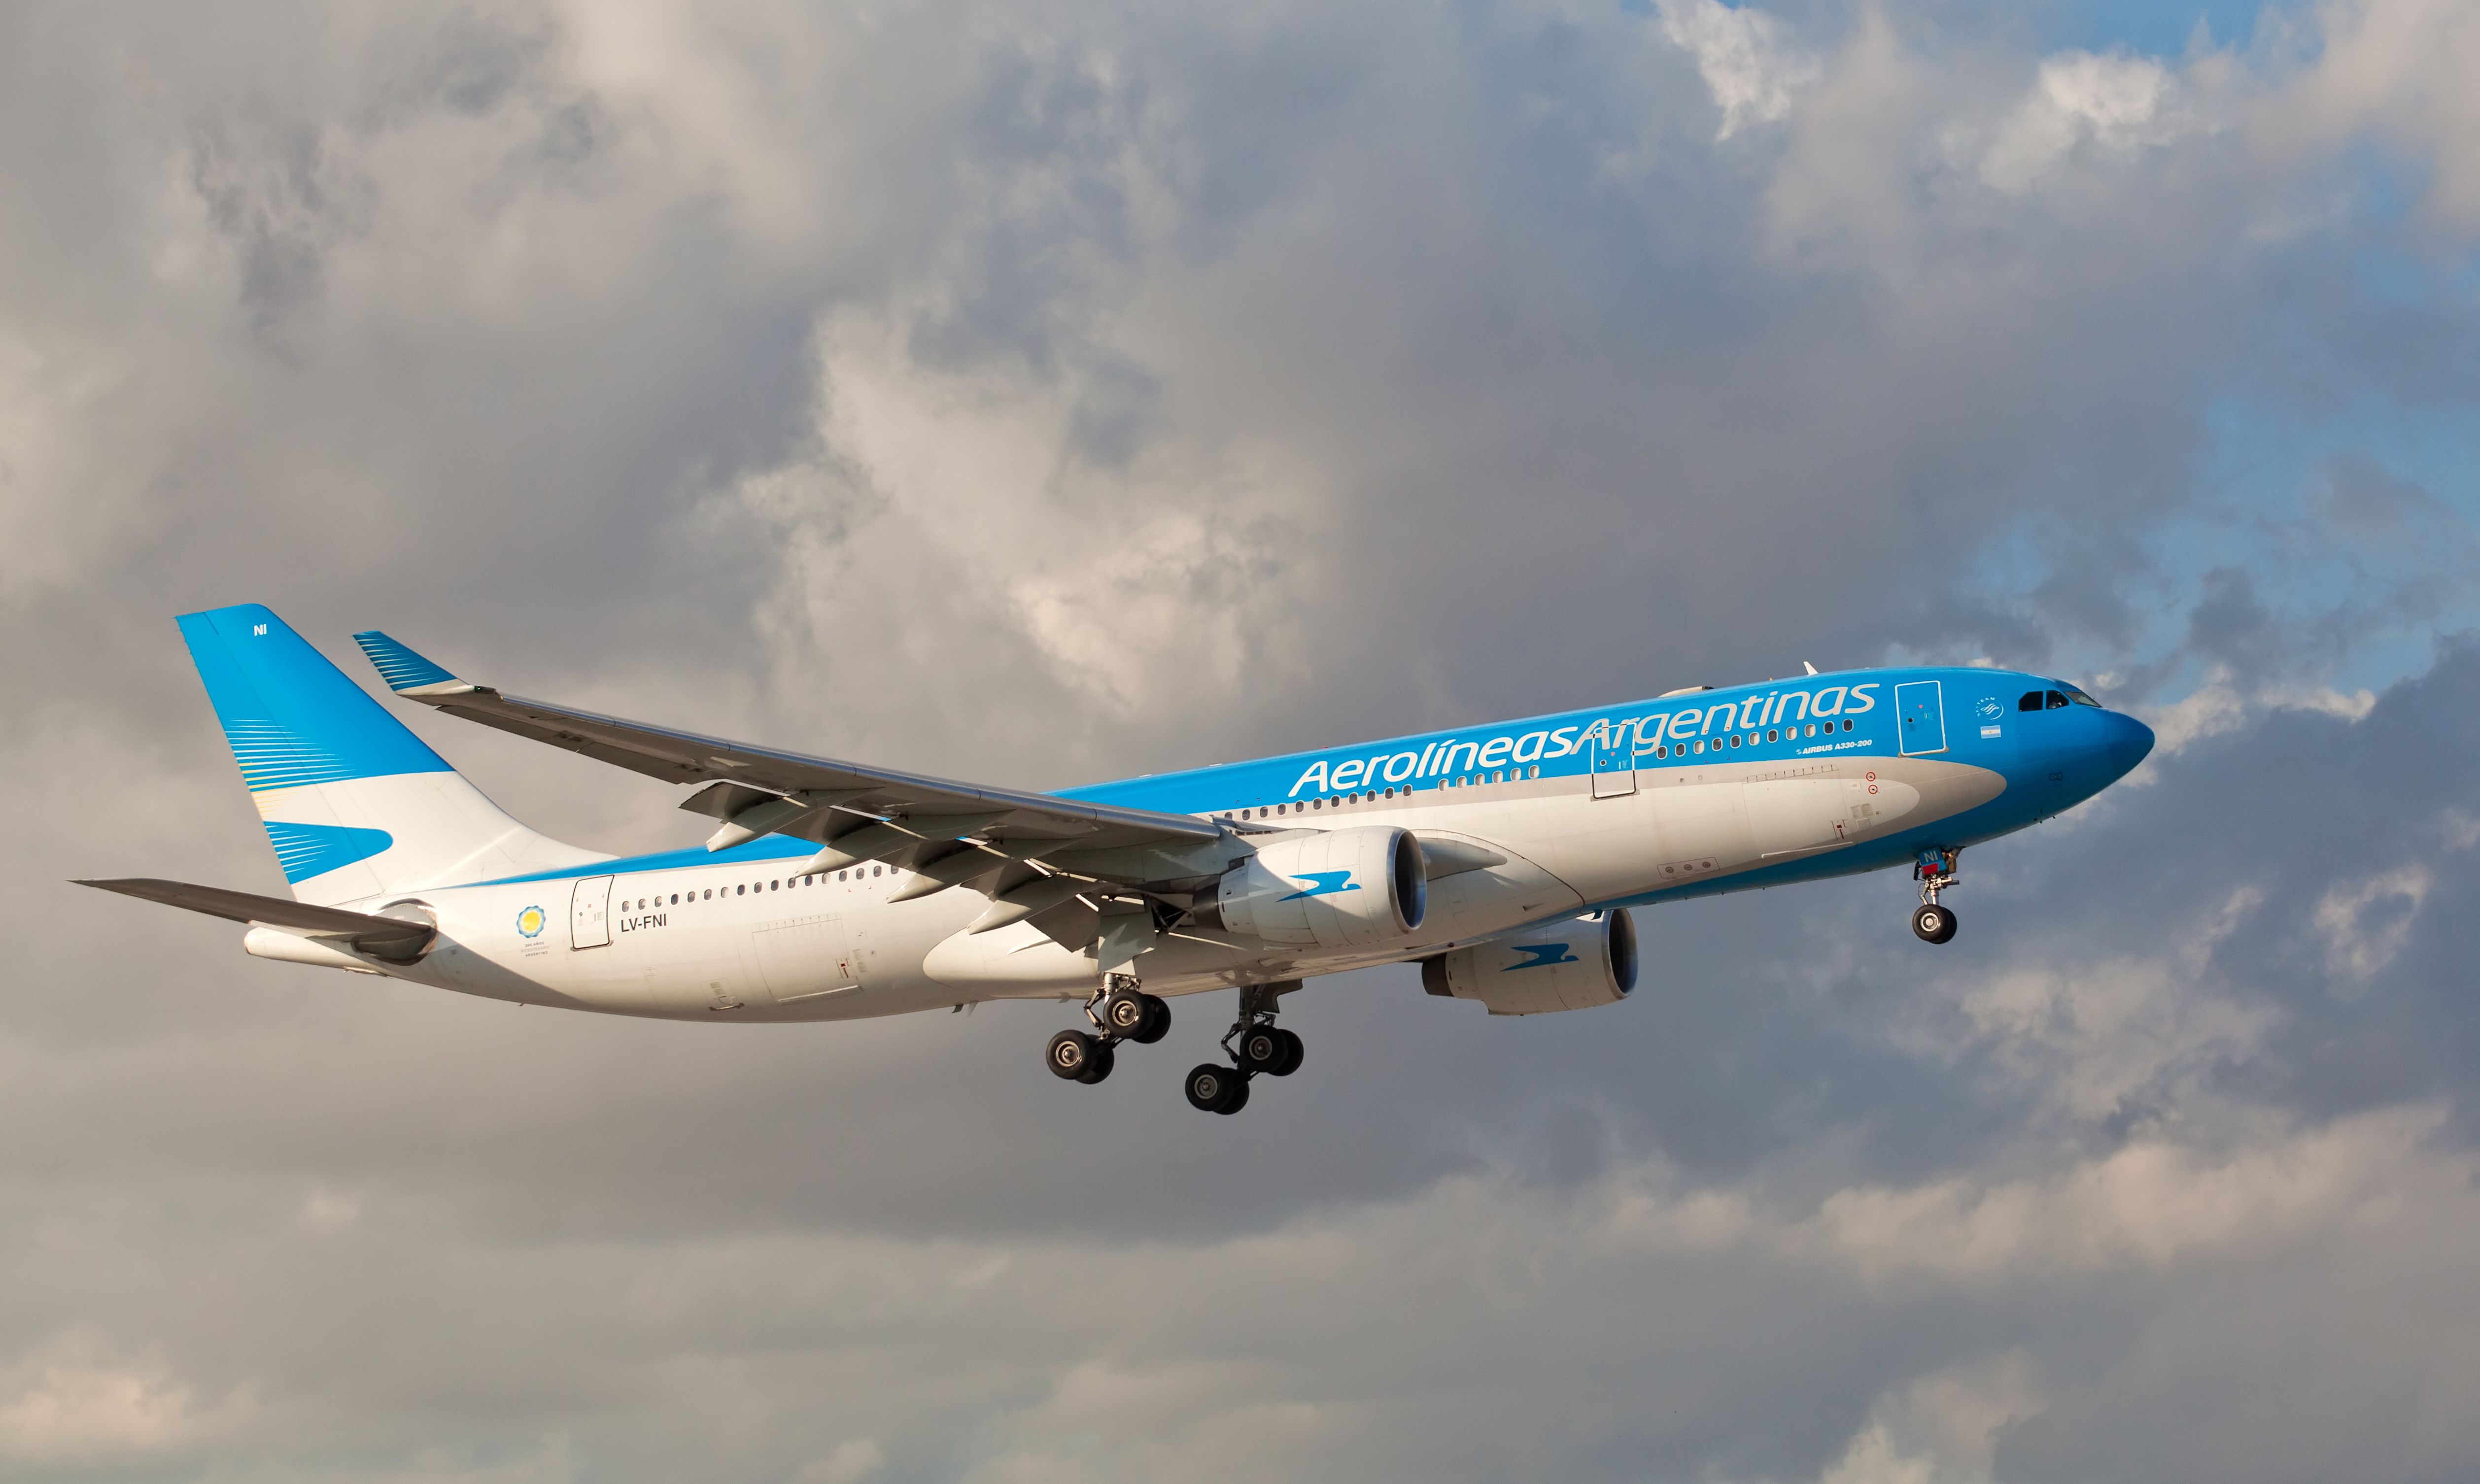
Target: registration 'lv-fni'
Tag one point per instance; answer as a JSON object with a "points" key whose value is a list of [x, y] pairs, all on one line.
{"points": [[1503, 859]]}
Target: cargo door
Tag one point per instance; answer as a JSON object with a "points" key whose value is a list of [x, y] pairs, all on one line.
{"points": [[807, 960], [589, 913], [1793, 816], [1615, 764], [1921, 714]]}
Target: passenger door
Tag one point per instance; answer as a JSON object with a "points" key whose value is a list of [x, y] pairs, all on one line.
{"points": [[1921, 713], [1615, 764], [589, 913]]}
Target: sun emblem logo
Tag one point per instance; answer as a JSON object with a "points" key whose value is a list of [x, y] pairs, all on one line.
{"points": [[530, 922], [1989, 709]]}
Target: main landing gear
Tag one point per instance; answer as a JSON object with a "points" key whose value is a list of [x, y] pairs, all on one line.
{"points": [[1935, 871], [1256, 1045], [1121, 1011]]}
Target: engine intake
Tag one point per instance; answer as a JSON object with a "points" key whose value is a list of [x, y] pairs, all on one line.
{"points": [[1574, 964], [1339, 888]]}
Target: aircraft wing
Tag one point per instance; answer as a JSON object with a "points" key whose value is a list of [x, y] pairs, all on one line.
{"points": [[856, 811], [386, 938]]}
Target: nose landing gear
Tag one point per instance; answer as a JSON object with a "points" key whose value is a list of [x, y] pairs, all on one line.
{"points": [[1121, 1011], [1935, 871], [1256, 1045]]}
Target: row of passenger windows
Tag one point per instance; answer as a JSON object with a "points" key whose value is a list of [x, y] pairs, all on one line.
{"points": [[1774, 734], [1366, 796], [856, 873], [1503, 774]]}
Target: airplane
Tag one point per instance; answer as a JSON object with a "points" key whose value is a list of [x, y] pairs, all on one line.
{"points": [[1505, 859]]}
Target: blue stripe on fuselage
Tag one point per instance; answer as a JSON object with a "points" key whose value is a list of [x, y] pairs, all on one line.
{"points": [[1966, 693]]}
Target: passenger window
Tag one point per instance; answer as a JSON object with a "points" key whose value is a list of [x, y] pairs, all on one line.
{"points": [[874, 870], [739, 890], [1537, 770], [1846, 724], [1774, 736], [1734, 739], [2032, 701], [2057, 702]]}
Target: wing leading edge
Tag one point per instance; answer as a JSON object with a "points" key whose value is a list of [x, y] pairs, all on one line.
{"points": [[1012, 846]]}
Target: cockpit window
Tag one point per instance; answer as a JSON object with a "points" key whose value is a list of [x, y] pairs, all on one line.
{"points": [[2032, 701], [2057, 702], [2079, 697]]}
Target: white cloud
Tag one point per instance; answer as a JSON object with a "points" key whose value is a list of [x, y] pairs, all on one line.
{"points": [[2115, 103], [77, 1408], [1941, 1428], [1750, 60], [2366, 923]]}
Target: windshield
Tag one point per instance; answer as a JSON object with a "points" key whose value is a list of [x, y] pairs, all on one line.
{"points": [[2078, 697]]}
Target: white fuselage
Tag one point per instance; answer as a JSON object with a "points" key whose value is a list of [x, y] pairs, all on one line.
{"points": [[743, 940]]}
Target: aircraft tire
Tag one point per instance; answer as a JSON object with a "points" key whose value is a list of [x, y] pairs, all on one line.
{"points": [[1934, 923], [1124, 1013], [1211, 1086], [1156, 1023], [1261, 1048], [1070, 1055], [1291, 1061], [1238, 1099], [1105, 1059]]}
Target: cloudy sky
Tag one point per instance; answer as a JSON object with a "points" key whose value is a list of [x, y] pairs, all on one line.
{"points": [[1045, 392]]}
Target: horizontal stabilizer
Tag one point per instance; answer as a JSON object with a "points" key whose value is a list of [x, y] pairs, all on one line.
{"points": [[395, 939]]}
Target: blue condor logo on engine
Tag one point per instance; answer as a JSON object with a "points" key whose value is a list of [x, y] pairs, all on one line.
{"points": [[1640, 734], [1543, 955], [1322, 883]]}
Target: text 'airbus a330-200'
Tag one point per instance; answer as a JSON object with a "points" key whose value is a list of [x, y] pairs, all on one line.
{"points": [[1504, 860]]}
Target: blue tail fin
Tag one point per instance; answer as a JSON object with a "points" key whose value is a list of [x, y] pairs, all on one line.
{"points": [[294, 719], [354, 803]]}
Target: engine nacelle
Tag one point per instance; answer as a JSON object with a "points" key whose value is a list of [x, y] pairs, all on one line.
{"points": [[1574, 964], [1338, 889]]}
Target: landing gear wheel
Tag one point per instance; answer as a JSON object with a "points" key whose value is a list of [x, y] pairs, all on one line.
{"points": [[1215, 1089], [1934, 923], [1124, 1013], [1072, 1056], [1105, 1059], [1263, 1048], [1291, 1061], [1156, 1023]]}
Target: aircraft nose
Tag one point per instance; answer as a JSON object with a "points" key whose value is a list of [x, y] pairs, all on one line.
{"points": [[2127, 743]]}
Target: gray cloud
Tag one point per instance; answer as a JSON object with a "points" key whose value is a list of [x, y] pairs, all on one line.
{"points": [[1043, 395]]}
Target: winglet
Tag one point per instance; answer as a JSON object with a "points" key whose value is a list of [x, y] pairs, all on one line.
{"points": [[406, 672]]}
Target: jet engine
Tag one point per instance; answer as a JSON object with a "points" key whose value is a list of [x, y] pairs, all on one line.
{"points": [[1572, 965], [1337, 889]]}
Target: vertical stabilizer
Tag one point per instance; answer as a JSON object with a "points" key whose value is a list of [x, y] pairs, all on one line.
{"points": [[354, 803]]}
